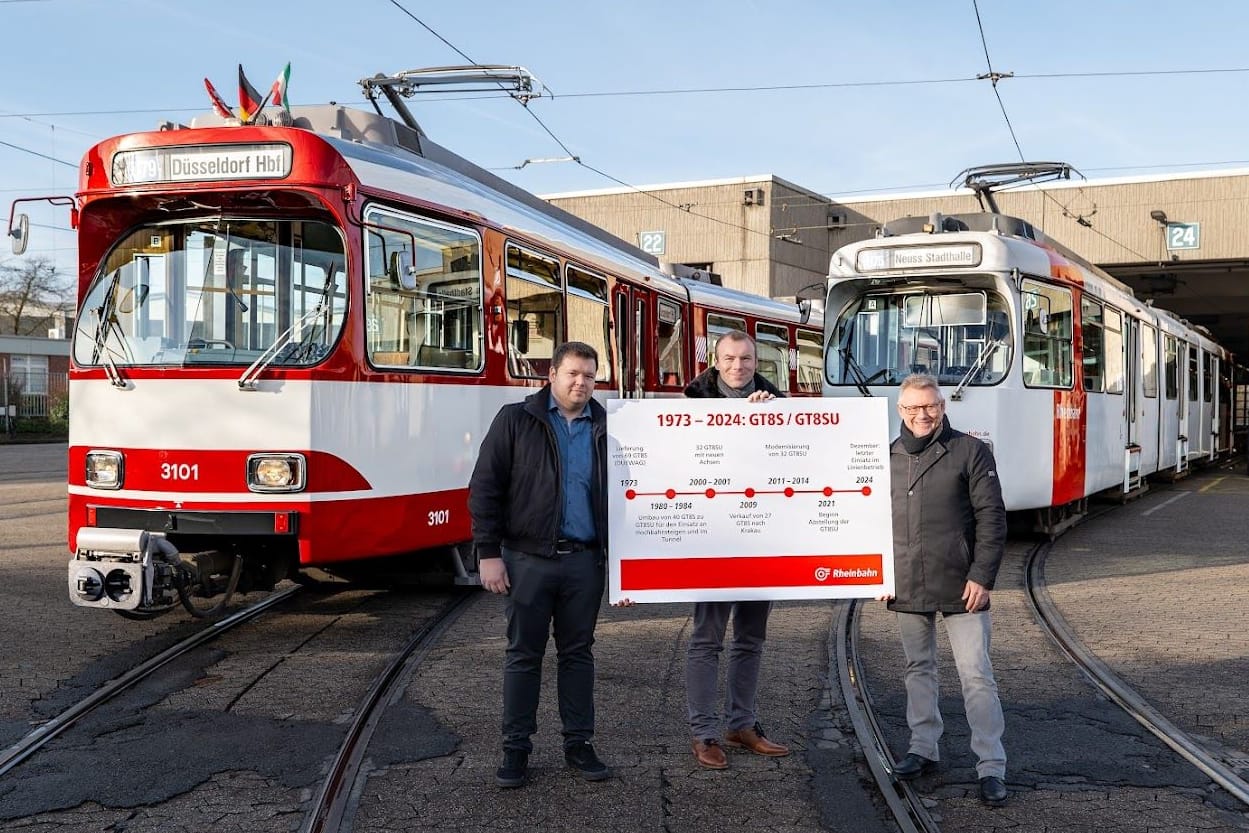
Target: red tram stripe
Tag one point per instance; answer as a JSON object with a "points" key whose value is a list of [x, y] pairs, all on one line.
{"points": [[750, 571]]}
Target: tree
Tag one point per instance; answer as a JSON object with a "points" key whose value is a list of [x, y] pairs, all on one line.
{"points": [[32, 292]]}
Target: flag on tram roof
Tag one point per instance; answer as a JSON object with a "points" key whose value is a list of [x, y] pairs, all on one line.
{"points": [[277, 94], [249, 100], [219, 104]]}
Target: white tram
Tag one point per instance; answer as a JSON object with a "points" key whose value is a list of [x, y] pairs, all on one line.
{"points": [[1078, 386]]}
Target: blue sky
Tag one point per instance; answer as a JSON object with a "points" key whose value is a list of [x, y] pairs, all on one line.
{"points": [[78, 71]]}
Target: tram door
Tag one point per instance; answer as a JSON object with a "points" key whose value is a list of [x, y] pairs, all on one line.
{"points": [[1181, 461], [1132, 410], [631, 313]]}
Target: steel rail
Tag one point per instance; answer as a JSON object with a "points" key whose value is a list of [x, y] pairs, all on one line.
{"points": [[332, 801], [904, 803], [1101, 675], [36, 739]]}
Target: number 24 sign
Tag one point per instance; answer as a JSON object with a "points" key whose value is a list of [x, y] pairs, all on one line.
{"points": [[1183, 236]]}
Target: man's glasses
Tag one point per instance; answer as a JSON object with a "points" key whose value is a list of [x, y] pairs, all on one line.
{"points": [[912, 410]]}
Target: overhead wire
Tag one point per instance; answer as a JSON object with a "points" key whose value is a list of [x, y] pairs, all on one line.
{"points": [[576, 157], [36, 153], [993, 77]]}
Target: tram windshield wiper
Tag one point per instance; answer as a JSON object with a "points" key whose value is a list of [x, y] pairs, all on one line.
{"points": [[976, 367], [856, 373], [251, 375], [106, 323]]}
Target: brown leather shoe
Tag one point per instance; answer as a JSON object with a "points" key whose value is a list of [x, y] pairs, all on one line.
{"points": [[709, 754], [754, 740]]}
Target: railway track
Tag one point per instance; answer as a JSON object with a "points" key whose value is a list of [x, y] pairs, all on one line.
{"points": [[13, 756], [333, 805], [1209, 761], [905, 804]]}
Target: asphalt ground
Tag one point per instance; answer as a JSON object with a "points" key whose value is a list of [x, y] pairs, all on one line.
{"points": [[1156, 595]]}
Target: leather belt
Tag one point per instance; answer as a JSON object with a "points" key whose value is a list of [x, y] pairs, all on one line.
{"points": [[567, 546]]}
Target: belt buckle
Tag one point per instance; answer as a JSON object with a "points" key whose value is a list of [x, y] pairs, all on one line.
{"points": [[566, 547]]}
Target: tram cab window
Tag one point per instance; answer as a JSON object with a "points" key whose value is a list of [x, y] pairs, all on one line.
{"points": [[535, 302], [772, 354], [424, 282], [1047, 335], [671, 339], [718, 325], [810, 361], [954, 336], [589, 317], [222, 291]]}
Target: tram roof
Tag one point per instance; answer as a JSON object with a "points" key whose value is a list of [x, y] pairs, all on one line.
{"points": [[390, 156]]}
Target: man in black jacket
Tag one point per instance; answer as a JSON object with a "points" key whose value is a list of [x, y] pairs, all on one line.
{"points": [[732, 377], [538, 500], [949, 535]]}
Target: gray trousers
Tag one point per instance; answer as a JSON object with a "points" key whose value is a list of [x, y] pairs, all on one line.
{"points": [[702, 665], [969, 640]]}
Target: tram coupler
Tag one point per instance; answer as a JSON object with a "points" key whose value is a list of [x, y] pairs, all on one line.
{"points": [[123, 569]]}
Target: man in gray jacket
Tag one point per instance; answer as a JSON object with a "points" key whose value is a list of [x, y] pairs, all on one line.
{"points": [[949, 535]]}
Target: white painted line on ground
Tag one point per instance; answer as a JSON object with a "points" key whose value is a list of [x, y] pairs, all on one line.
{"points": [[1165, 503]]}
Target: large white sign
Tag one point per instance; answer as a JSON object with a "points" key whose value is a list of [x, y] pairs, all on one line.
{"points": [[724, 499]]}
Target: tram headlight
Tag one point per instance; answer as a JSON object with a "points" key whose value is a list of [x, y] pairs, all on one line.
{"points": [[105, 469], [276, 472]]}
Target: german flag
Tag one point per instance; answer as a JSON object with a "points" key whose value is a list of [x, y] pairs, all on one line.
{"points": [[249, 100]]}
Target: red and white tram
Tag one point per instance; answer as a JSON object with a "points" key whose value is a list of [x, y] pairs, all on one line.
{"points": [[1079, 386], [291, 340]]}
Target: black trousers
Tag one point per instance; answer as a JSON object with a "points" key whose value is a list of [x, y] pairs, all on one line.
{"points": [[561, 594]]}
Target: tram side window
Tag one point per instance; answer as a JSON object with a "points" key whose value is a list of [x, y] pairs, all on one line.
{"points": [[589, 318], [1207, 391], [425, 294], [1114, 350], [772, 354], [535, 311], [1092, 334], [1149, 361], [671, 337], [1047, 331], [718, 325], [1171, 364], [810, 362], [1192, 372]]}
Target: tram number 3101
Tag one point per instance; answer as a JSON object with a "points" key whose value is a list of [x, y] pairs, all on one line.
{"points": [[179, 471], [439, 517]]}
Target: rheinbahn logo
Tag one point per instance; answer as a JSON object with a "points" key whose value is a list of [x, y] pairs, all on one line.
{"points": [[822, 573]]}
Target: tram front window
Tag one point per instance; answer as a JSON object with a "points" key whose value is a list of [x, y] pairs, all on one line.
{"points": [[883, 338], [216, 292]]}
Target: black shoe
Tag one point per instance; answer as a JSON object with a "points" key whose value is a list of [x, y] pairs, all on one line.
{"points": [[580, 756], [913, 766], [515, 769], [992, 790]]}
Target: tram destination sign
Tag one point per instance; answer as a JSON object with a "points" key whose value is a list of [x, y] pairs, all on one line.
{"points": [[882, 258], [201, 163]]}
